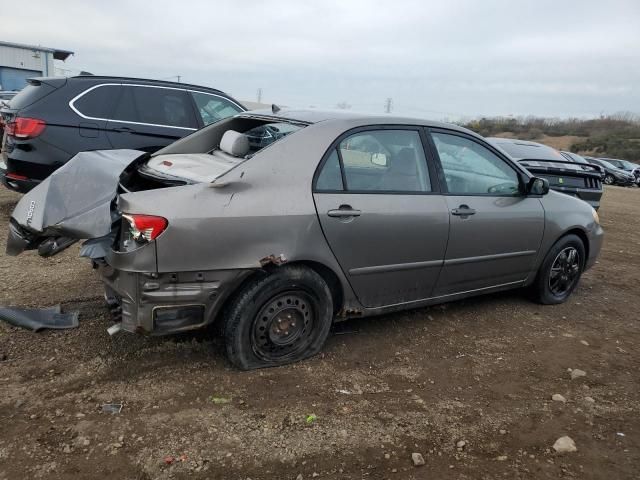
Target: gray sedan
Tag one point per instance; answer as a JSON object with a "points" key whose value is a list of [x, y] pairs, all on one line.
{"points": [[273, 224]]}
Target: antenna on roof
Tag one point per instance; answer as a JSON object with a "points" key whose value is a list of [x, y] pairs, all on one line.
{"points": [[274, 108]]}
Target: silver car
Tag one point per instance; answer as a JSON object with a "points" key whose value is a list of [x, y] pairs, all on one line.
{"points": [[274, 224]]}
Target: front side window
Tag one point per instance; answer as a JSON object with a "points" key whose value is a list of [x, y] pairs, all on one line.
{"points": [[157, 106], [472, 169], [212, 108], [378, 161]]}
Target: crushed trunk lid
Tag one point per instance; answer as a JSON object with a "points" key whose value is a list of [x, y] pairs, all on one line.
{"points": [[74, 202]]}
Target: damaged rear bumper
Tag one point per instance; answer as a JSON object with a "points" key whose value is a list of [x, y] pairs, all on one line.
{"points": [[154, 303]]}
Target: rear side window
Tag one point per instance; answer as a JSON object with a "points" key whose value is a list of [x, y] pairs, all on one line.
{"points": [[330, 177], [212, 108], [377, 161], [156, 106], [99, 102]]}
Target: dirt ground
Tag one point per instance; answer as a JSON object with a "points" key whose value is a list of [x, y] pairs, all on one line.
{"points": [[482, 371]]}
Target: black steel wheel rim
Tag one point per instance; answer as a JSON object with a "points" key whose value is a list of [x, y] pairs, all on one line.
{"points": [[565, 271], [284, 326]]}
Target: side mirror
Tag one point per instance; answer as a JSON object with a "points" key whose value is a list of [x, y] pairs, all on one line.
{"points": [[538, 186]]}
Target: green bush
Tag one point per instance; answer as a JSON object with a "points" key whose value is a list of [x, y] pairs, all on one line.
{"points": [[616, 136]]}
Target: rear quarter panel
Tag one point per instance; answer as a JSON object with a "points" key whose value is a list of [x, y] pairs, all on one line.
{"points": [[265, 209]]}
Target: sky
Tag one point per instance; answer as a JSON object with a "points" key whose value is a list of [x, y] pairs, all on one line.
{"points": [[442, 60]]}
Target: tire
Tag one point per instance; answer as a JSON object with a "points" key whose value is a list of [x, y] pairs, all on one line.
{"points": [[279, 318], [609, 179], [560, 271]]}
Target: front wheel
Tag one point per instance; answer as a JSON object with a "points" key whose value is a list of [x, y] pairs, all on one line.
{"points": [[560, 271], [609, 180], [278, 318]]}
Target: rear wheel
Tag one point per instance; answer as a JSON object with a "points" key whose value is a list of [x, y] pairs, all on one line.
{"points": [[280, 318], [560, 271], [608, 179]]}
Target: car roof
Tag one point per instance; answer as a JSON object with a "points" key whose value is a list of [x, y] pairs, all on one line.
{"points": [[312, 115]]}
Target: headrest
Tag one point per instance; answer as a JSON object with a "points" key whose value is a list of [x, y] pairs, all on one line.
{"points": [[234, 143]]}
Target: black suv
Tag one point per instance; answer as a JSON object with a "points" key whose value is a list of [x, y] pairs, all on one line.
{"points": [[52, 119]]}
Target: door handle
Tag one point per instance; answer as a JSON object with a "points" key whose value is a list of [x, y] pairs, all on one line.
{"points": [[463, 211], [344, 211], [124, 130]]}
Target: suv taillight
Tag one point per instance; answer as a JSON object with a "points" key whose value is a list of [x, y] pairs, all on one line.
{"points": [[145, 228], [24, 127]]}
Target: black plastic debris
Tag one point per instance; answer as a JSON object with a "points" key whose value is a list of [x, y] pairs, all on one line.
{"points": [[39, 318]]}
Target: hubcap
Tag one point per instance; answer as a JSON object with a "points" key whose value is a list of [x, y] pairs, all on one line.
{"points": [[608, 179], [564, 271], [283, 326]]}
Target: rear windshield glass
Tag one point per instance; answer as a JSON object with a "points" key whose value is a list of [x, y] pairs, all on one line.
{"points": [[575, 157], [524, 150], [30, 94]]}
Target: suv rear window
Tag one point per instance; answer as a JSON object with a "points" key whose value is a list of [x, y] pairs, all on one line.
{"points": [[156, 106], [29, 95], [98, 103]]}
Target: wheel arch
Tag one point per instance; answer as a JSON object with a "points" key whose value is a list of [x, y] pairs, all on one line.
{"points": [[582, 235], [327, 274]]}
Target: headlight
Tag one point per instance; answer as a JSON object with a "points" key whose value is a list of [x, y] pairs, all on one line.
{"points": [[596, 217]]}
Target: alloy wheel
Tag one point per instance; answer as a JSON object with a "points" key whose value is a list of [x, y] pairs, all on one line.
{"points": [[565, 271]]}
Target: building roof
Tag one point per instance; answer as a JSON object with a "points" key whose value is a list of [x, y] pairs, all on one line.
{"points": [[57, 53]]}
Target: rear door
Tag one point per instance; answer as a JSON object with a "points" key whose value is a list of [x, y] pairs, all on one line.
{"points": [[93, 107], [150, 117], [495, 231], [382, 214]]}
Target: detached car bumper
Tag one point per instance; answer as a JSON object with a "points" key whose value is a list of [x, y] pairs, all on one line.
{"points": [[154, 303]]}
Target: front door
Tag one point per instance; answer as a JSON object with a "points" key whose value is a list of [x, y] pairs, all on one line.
{"points": [[495, 231], [380, 214]]}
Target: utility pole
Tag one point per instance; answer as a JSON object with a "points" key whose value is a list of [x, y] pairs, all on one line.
{"points": [[388, 105], [259, 95], [178, 78]]}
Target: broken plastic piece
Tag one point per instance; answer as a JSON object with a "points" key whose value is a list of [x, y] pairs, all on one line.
{"points": [[113, 408], [36, 319]]}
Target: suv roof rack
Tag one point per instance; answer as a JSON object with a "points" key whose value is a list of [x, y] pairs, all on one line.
{"points": [[135, 79]]}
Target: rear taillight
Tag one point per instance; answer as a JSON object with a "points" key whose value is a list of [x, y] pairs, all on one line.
{"points": [[145, 228], [23, 127]]}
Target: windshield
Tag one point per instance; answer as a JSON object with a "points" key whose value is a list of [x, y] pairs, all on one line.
{"points": [[606, 164]]}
